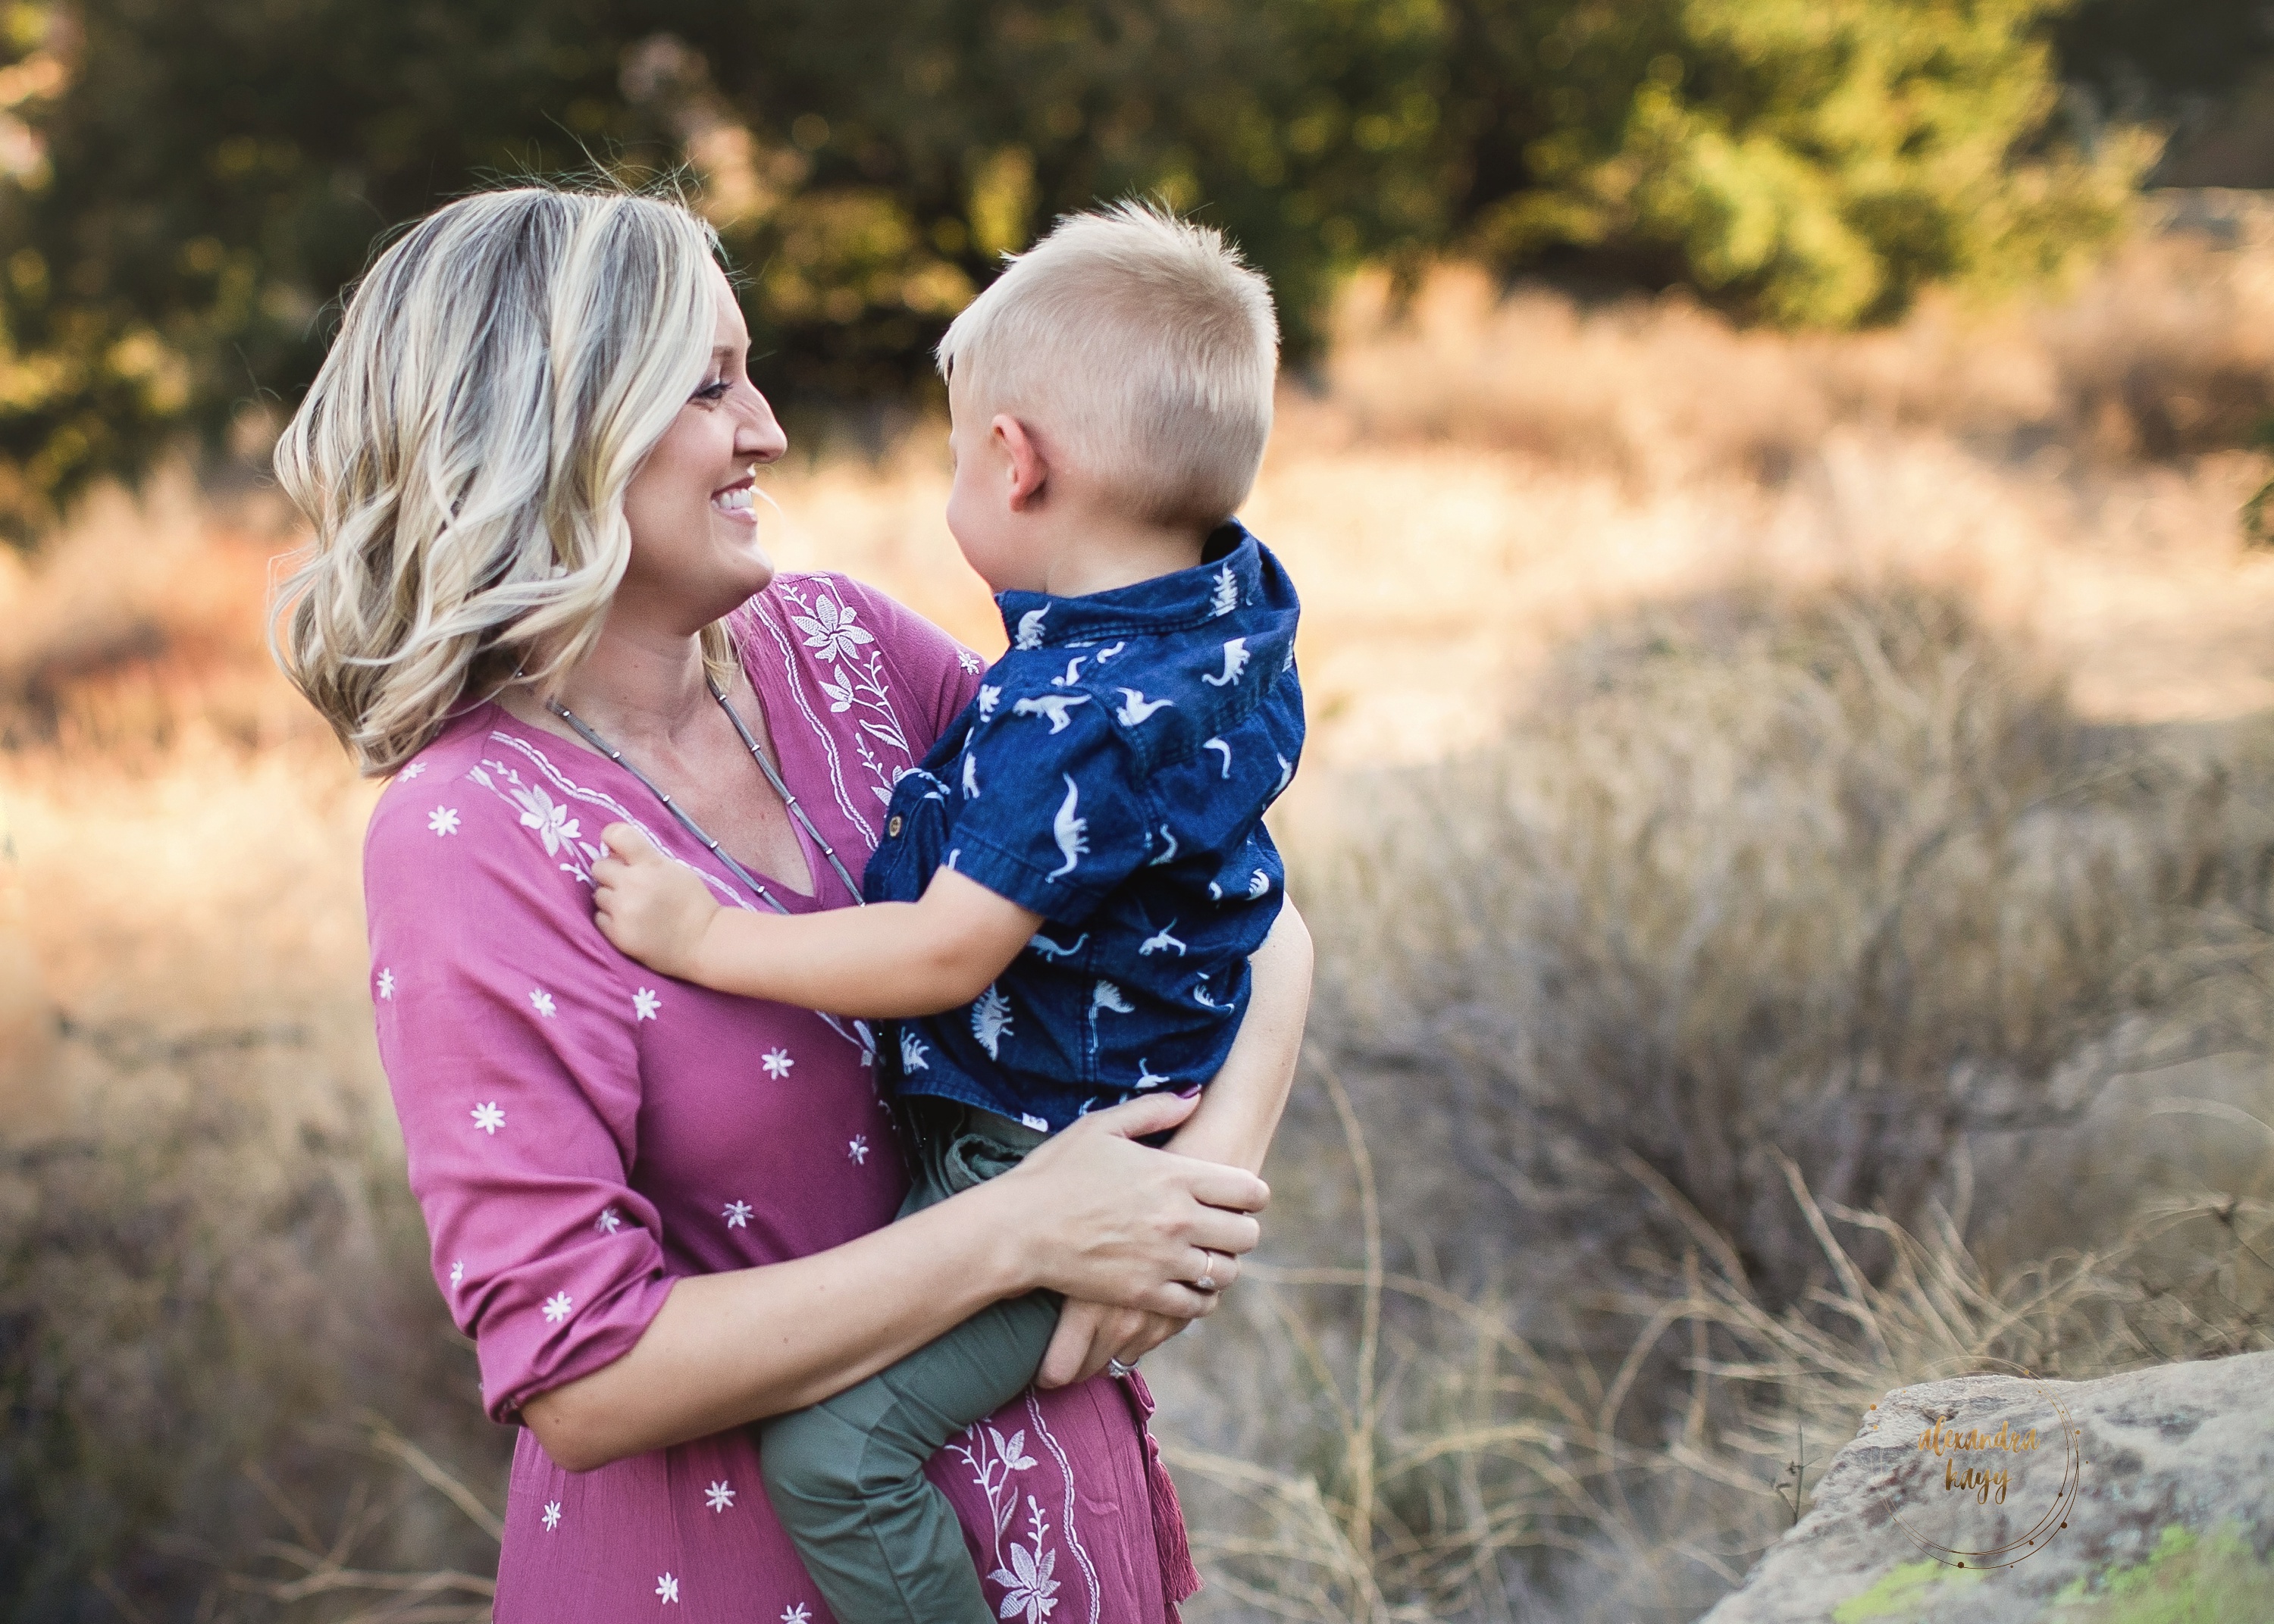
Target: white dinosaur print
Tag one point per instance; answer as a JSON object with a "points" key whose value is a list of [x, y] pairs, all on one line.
{"points": [[970, 776], [1106, 995], [1218, 744], [1104, 655], [1259, 883], [1161, 942], [1286, 775], [989, 698], [1169, 835], [1073, 673], [1147, 1077], [1071, 832], [1136, 707], [912, 1052], [1049, 949], [1235, 661], [1030, 628], [1054, 706], [1227, 592], [1200, 996], [990, 1019]]}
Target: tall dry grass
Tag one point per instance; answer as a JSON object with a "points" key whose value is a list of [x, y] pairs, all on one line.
{"points": [[1789, 836]]}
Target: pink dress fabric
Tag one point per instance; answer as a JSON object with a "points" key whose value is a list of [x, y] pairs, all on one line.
{"points": [[581, 1132]]}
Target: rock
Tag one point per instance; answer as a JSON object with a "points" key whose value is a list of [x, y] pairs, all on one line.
{"points": [[2140, 1498]]}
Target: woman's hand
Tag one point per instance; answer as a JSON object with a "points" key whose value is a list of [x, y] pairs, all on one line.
{"points": [[651, 908], [1108, 1221], [1091, 1334]]}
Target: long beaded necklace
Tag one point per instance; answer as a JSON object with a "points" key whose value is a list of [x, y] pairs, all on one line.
{"points": [[585, 732], [857, 1033]]}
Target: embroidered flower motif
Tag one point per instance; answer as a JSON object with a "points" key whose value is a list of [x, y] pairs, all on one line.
{"points": [[488, 1117], [551, 1514], [796, 1615], [443, 820], [737, 1214], [858, 1150], [667, 1589], [557, 1307], [840, 692], [644, 1005], [966, 658], [551, 820], [830, 630], [776, 1063], [1028, 1589], [457, 1273], [412, 771], [608, 1222], [387, 983], [543, 1000], [720, 1495]]}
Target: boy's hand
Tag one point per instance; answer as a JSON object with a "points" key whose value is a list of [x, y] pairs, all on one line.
{"points": [[649, 907]]}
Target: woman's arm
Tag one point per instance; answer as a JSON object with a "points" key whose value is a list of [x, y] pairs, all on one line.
{"points": [[1089, 1213], [1239, 1113]]}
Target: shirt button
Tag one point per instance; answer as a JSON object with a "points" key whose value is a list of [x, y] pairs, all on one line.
{"points": [[892, 828]]}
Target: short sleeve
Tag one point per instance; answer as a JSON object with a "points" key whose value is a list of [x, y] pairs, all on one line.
{"points": [[1053, 817], [506, 1032]]}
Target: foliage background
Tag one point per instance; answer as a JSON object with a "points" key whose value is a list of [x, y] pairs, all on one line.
{"points": [[185, 187]]}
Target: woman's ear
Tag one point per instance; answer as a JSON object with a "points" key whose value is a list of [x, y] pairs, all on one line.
{"points": [[1029, 470]]}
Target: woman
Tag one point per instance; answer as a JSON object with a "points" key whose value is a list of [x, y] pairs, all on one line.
{"points": [[538, 597]]}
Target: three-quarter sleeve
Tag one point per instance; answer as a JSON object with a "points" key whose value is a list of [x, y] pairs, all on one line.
{"points": [[506, 1030]]}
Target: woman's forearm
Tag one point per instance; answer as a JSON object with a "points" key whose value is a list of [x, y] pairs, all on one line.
{"points": [[733, 1347], [1240, 1109]]}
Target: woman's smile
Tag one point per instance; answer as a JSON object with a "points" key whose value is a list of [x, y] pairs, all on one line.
{"points": [[738, 500]]}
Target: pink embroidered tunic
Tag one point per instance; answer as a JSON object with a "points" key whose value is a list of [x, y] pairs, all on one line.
{"points": [[582, 1131]]}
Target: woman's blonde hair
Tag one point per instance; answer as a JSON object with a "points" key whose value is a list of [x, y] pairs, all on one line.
{"points": [[500, 373]]}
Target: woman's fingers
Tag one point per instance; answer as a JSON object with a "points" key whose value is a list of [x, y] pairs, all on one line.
{"points": [[1079, 1348], [1134, 1119]]}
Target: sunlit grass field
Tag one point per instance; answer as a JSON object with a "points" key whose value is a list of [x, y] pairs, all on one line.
{"points": [[1788, 823]]}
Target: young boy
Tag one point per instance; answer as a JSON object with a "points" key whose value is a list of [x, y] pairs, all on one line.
{"points": [[1070, 886]]}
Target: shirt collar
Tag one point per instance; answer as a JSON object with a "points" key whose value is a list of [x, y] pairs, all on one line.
{"points": [[1230, 576]]}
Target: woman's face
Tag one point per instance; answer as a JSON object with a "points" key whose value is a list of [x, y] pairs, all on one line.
{"points": [[693, 505]]}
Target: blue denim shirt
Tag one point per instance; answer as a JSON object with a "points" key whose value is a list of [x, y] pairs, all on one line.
{"points": [[1112, 776]]}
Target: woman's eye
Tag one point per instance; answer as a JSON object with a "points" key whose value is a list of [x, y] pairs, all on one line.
{"points": [[718, 391]]}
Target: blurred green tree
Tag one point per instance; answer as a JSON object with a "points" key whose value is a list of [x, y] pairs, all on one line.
{"points": [[185, 185]]}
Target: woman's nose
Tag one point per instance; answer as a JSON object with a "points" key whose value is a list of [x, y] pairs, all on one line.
{"points": [[759, 436]]}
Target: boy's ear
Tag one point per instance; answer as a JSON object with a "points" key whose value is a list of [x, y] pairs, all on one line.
{"points": [[1029, 470]]}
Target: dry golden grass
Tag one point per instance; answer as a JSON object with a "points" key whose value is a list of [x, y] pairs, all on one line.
{"points": [[1783, 816]]}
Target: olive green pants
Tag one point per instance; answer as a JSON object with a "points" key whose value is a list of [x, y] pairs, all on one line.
{"points": [[845, 1475]]}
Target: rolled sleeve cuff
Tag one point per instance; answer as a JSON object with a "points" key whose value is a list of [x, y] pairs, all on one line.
{"points": [[1063, 898], [523, 1353]]}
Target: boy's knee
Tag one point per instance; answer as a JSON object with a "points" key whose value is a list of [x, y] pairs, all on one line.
{"points": [[812, 1456]]}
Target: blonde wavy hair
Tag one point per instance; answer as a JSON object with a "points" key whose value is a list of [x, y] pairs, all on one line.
{"points": [[500, 373]]}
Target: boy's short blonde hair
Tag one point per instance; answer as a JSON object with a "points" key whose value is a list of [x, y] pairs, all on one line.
{"points": [[1140, 348]]}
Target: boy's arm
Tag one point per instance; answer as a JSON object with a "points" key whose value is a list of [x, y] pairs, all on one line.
{"points": [[890, 958]]}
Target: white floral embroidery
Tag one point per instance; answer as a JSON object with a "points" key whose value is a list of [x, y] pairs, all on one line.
{"points": [[387, 983], [644, 1005], [458, 1274], [551, 820], [830, 630], [412, 771], [720, 1495], [966, 658], [796, 1615], [737, 1214], [488, 1117], [1029, 1588], [543, 1000], [666, 1587], [443, 820], [858, 1150], [1023, 1571], [776, 1063], [609, 1221], [557, 1307], [551, 1514]]}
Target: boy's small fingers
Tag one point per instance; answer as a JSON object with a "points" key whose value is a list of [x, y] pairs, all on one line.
{"points": [[623, 840]]}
